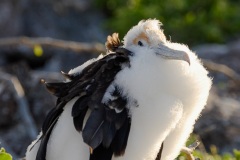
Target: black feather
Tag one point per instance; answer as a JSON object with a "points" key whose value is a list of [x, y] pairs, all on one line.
{"points": [[160, 153], [58, 89], [79, 105], [52, 116], [119, 142], [78, 120], [93, 131], [118, 103], [124, 51], [109, 132], [111, 115], [41, 154], [101, 153], [116, 92], [121, 118]]}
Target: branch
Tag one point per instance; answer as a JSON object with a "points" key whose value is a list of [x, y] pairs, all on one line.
{"points": [[188, 150], [56, 43], [229, 72], [24, 108]]}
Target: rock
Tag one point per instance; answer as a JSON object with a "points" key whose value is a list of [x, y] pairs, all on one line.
{"points": [[211, 51], [235, 47], [10, 18], [66, 19], [80, 5], [16, 139], [8, 107], [219, 124]]}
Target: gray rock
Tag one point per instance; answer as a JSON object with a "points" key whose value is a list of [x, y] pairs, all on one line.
{"points": [[10, 18], [219, 124], [211, 51], [8, 107], [65, 19]]}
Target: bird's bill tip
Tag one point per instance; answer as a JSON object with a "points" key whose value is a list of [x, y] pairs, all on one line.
{"points": [[169, 53], [186, 58]]}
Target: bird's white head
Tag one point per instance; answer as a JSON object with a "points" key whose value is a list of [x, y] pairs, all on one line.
{"points": [[147, 35]]}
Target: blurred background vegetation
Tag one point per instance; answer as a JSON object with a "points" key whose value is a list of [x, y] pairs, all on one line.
{"points": [[186, 21]]}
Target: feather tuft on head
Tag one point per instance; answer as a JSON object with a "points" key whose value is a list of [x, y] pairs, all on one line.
{"points": [[113, 42], [149, 29]]}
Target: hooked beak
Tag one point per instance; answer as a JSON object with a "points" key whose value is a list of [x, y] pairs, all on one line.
{"points": [[169, 53]]}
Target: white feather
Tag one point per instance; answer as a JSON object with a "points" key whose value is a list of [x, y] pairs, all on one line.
{"points": [[79, 69], [33, 148]]}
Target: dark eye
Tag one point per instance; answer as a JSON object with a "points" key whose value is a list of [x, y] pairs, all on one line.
{"points": [[140, 43]]}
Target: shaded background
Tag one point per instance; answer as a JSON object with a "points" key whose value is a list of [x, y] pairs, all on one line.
{"points": [[210, 28]]}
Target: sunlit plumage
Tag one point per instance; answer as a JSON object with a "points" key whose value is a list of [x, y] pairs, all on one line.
{"points": [[143, 94]]}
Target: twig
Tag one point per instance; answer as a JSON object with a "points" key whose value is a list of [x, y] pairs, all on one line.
{"points": [[23, 105], [229, 72], [188, 150], [194, 145], [24, 108], [56, 43]]}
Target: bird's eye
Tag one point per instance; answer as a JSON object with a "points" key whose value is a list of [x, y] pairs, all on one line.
{"points": [[140, 43]]}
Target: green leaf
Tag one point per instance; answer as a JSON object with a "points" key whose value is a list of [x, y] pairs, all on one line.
{"points": [[37, 50], [236, 154], [4, 155]]}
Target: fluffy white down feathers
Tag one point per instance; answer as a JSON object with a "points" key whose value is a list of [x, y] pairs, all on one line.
{"points": [[170, 95]]}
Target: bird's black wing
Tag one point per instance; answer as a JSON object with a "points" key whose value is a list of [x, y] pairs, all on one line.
{"points": [[107, 127], [160, 152]]}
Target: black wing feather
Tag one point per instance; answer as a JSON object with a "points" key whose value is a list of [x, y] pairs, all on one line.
{"points": [[121, 118], [52, 116], [79, 111], [78, 120], [93, 130], [58, 89], [109, 130], [101, 153], [160, 152], [119, 142], [41, 154], [106, 131], [79, 106]]}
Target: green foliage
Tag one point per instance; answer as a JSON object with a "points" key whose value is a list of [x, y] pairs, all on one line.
{"points": [[4, 155], [185, 21], [213, 155]]}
